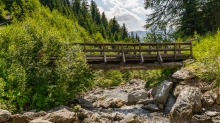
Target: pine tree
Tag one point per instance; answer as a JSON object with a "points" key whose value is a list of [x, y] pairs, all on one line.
{"points": [[124, 32]]}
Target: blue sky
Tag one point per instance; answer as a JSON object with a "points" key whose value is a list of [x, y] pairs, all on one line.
{"points": [[130, 12]]}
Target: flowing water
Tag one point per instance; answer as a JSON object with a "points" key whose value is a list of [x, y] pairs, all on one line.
{"points": [[145, 115]]}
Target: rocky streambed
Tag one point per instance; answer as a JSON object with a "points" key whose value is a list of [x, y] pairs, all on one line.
{"points": [[182, 98]]}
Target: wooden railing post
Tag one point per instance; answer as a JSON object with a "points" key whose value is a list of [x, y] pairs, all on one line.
{"points": [[191, 53], [179, 48], [175, 51], [105, 60], [165, 52], [123, 55], [149, 51], [134, 48], [157, 51], [118, 52], [85, 51], [100, 48]]}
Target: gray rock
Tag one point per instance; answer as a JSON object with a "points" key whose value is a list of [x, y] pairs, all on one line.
{"points": [[61, 116], [21, 118], [85, 103], [91, 98], [152, 107], [208, 98], [211, 113], [130, 118], [185, 73], [177, 90], [4, 115], [95, 118], [83, 113], [40, 121], [162, 92], [145, 101], [161, 106], [171, 101], [112, 103], [134, 97], [37, 114], [116, 116], [216, 119], [187, 103], [60, 108], [201, 119]]}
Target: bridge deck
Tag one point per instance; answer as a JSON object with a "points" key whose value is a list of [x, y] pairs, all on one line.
{"points": [[136, 56]]}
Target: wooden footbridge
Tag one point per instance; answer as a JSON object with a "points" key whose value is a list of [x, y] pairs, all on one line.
{"points": [[136, 56]]}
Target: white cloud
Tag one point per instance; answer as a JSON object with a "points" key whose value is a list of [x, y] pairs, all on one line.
{"points": [[141, 10], [100, 9], [123, 3], [122, 14], [105, 2]]}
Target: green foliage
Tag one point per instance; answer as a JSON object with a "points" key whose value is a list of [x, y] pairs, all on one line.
{"points": [[28, 76]]}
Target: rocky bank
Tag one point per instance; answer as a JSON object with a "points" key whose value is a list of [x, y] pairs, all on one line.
{"points": [[182, 98]]}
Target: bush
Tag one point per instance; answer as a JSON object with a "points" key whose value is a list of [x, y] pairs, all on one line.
{"points": [[29, 78]]}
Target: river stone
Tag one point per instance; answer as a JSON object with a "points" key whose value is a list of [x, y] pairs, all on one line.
{"points": [[161, 106], [40, 121], [170, 102], [4, 115], [216, 119], [145, 101], [201, 119], [212, 113], [85, 103], [208, 98], [21, 118], [134, 97], [83, 113], [33, 114], [116, 116], [162, 92], [177, 90], [184, 73], [95, 118], [61, 116], [152, 107], [130, 118], [187, 103], [112, 103]]}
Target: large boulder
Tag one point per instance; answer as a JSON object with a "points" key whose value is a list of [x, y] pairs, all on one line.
{"points": [[208, 98], [95, 118], [177, 90], [152, 107], [112, 103], [130, 118], [187, 103], [35, 114], [61, 116], [162, 92], [170, 102], [201, 119], [4, 115], [185, 73], [85, 103], [134, 97], [21, 118], [83, 113]]}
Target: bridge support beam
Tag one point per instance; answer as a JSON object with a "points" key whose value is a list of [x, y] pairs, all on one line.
{"points": [[152, 66]]}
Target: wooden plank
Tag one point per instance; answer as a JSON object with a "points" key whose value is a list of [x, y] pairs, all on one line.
{"points": [[165, 46], [100, 48], [179, 51], [157, 52], [193, 40], [144, 55], [149, 49], [152, 66], [175, 52], [118, 52], [141, 58], [135, 48], [123, 55], [131, 44], [161, 60]]}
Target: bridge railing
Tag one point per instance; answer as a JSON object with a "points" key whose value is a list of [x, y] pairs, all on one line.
{"points": [[136, 51]]}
